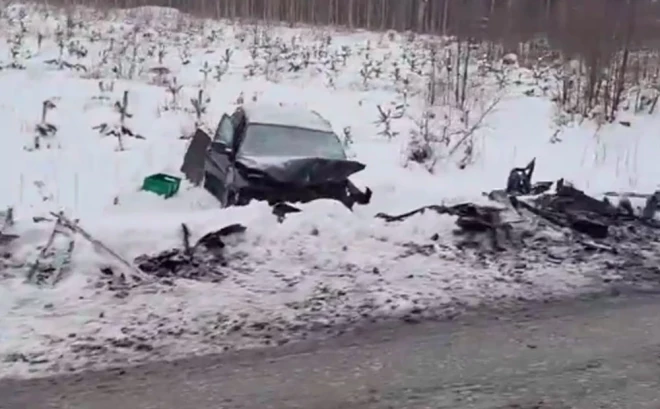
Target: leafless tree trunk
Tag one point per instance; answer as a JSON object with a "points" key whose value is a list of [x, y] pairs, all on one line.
{"points": [[623, 67], [445, 17]]}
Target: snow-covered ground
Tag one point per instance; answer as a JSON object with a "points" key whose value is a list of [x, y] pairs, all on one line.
{"points": [[321, 267]]}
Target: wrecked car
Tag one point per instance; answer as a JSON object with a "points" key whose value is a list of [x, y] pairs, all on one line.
{"points": [[273, 153]]}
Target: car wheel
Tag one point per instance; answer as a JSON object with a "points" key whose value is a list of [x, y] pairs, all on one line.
{"points": [[213, 185]]}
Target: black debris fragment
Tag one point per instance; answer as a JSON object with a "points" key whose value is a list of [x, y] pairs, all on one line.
{"points": [[213, 240], [520, 179], [187, 249], [571, 208], [519, 182], [281, 209], [487, 214], [471, 219], [651, 206], [202, 261]]}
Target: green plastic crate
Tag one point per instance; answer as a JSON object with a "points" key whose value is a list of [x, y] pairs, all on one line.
{"points": [[162, 184]]}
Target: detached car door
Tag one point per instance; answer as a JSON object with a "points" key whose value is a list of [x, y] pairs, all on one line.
{"points": [[219, 158]]}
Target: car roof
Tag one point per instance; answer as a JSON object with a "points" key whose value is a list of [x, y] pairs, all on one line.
{"points": [[285, 115]]}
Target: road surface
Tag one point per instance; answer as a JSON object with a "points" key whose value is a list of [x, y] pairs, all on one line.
{"points": [[595, 354]]}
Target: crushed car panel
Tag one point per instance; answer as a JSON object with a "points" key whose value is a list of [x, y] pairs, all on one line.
{"points": [[193, 160], [298, 171]]}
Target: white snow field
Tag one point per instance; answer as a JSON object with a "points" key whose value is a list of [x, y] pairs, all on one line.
{"points": [[321, 267]]}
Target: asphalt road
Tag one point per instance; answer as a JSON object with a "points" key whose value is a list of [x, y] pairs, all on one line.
{"points": [[590, 354]]}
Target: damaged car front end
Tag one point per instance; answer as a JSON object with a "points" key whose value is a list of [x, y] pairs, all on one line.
{"points": [[297, 180]]}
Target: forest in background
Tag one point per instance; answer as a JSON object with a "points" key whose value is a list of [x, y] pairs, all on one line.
{"points": [[562, 22], [615, 42]]}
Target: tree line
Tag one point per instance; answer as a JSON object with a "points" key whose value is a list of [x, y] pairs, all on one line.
{"points": [[566, 24]]}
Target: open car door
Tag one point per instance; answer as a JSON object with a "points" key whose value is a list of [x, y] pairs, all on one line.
{"points": [[193, 160]]}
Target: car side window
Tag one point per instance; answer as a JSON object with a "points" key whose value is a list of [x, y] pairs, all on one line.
{"points": [[225, 131]]}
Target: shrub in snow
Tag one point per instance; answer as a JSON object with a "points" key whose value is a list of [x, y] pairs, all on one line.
{"points": [[385, 118], [199, 106], [105, 88], [119, 130], [17, 50], [205, 70], [173, 89], [44, 130], [423, 138], [73, 48]]}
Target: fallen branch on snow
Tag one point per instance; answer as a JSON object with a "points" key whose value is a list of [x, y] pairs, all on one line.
{"points": [[137, 274]]}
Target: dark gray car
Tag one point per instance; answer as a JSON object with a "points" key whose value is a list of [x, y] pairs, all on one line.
{"points": [[273, 153]]}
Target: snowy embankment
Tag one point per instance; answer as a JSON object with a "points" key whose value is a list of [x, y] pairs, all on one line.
{"points": [[319, 269]]}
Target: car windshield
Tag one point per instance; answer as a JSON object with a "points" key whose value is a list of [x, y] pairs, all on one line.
{"points": [[274, 140]]}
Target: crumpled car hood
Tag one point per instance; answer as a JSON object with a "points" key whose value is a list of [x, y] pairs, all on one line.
{"points": [[298, 171]]}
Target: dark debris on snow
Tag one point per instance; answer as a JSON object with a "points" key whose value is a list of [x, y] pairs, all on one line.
{"points": [[584, 230], [202, 261]]}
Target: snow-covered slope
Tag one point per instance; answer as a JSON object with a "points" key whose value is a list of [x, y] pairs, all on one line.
{"points": [[320, 267]]}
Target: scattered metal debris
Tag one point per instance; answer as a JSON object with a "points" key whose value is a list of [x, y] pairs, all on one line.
{"points": [[202, 261], [583, 223], [471, 219], [590, 220]]}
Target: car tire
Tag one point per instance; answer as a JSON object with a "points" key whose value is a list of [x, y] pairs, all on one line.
{"points": [[212, 185], [217, 189]]}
